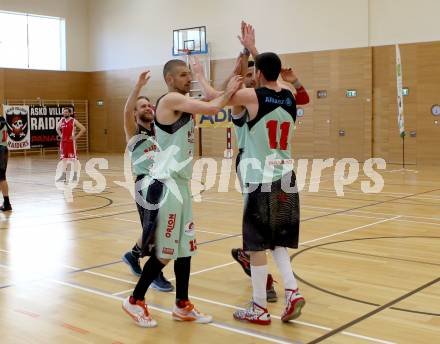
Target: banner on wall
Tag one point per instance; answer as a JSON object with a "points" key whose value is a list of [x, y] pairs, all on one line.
{"points": [[43, 123], [222, 119], [400, 117], [17, 120]]}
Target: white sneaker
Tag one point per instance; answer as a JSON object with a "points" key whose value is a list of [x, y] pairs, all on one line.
{"points": [[254, 314], [138, 311], [294, 304], [190, 313]]}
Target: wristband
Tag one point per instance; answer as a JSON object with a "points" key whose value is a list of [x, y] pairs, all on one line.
{"points": [[246, 52], [297, 84]]}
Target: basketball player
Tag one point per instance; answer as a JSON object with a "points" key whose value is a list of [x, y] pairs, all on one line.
{"points": [[66, 130], [240, 128], [172, 223], [271, 215], [247, 39], [139, 132], [4, 164], [289, 78]]}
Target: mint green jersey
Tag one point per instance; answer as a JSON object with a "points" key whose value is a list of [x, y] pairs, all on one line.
{"points": [[241, 129], [175, 149], [267, 154], [3, 132], [142, 147]]}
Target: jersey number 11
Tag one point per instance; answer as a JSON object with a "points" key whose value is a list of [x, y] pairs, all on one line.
{"points": [[272, 127]]}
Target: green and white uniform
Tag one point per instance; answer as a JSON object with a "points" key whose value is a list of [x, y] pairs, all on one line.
{"points": [[271, 212], [241, 132], [142, 148], [172, 171]]}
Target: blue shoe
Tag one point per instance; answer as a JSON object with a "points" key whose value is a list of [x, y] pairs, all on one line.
{"points": [[133, 263], [162, 284]]}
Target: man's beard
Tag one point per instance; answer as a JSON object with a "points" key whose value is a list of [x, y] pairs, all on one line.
{"points": [[183, 90], [146, 118]]}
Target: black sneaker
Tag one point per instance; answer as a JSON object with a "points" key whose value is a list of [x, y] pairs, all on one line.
{"points": [[6, 207], [162, 284], [271, 294], [133, 263], [243, 259]]}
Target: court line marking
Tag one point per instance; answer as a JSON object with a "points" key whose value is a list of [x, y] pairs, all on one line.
{"points": [[356, 209], [114, 296], [197, 230], [350, 230], [166, 311], [374, 312], [173, 279], [242, 331], [300, 244], [339, 210]]}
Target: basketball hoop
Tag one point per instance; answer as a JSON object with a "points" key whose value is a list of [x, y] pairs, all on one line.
{"points": [[185, 51]]}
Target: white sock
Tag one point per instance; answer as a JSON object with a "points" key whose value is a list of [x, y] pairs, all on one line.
{"points": [[259, 278], [282, 259]]}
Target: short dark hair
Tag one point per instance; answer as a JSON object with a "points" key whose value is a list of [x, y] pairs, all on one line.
{"points": [[269, 64], [170, 65], [69, 110], [251, 64]]}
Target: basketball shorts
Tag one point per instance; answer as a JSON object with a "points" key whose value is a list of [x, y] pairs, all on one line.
{"points": [[67, 150], [169, 229], [271, 218], [3, 162], [237, 164]]}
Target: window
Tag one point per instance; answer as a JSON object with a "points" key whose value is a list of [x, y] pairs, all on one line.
{"points": [[30, 41]]}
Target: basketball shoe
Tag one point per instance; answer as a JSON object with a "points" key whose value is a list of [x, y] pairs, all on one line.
{"points": [[138, 311], [190, 313], [255, 314], [294, 304]]}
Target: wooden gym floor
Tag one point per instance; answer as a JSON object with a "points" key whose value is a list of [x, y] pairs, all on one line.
{"points": [[368, 264]]}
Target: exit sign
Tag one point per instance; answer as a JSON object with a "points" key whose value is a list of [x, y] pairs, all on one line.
{"points": [[99, 103], [351, 93]]}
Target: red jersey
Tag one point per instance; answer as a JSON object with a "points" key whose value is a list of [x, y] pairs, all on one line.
{"points": [[67, 127], [67, 144]]}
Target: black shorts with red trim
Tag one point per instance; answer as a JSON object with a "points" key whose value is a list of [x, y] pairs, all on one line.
{"points": [[271, 215]]}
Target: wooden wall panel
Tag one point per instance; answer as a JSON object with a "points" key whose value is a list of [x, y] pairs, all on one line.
{"points": [[421, 73], [370, 126], [33, 84]]}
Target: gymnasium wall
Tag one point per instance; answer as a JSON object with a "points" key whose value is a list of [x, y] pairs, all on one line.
{"points": [[77, 25], [403, 21], [369, 121], [139, 33], [421, 74], [16, 84], [317, 134]]}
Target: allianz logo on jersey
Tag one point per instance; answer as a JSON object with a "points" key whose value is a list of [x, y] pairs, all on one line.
{"points": [[272, 100]]}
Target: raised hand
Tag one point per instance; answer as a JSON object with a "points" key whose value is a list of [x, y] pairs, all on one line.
{"points": [[288, 75], [143, 78], [196, 66], [247, 38]]}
